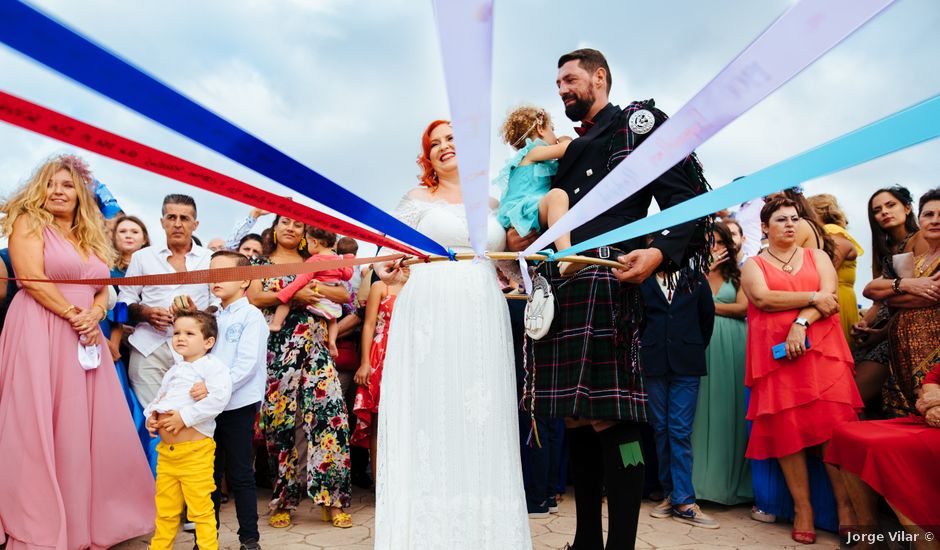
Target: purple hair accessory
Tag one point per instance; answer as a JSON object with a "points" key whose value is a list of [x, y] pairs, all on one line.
{"points": [[78, 164]]}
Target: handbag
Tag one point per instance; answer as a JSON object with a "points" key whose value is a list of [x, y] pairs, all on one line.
{"points": [[540, 308], [348, 358]]}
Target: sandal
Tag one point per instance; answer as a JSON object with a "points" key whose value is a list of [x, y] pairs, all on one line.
{"points": [[803, 537], [279, 520], [341, 520]]}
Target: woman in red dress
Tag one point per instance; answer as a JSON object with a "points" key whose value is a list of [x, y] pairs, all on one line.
{"points": [[895, 457], [798, 400]]}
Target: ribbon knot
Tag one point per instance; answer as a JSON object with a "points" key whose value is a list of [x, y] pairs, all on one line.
{"points": [[451, 254]]}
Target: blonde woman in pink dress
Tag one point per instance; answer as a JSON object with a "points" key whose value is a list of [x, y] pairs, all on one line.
{"points": [[72, 472]]}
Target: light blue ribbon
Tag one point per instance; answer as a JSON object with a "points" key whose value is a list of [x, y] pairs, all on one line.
{"points": [[911, 126]]}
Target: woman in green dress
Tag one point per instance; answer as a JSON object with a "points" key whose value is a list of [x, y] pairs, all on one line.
{"points": [[720, 473]]}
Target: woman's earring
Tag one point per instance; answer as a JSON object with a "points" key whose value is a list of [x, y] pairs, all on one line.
{"points": [[303, 244], [274, 236]]}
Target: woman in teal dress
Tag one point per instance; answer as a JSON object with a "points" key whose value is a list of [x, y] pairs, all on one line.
{"points": [[720, 473]]}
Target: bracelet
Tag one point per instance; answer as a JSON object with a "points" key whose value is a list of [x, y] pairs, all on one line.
{"points": [[67, 310], [812, 299], [104, 312], [896, 286]]}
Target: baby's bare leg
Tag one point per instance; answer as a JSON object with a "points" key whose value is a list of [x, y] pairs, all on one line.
{"points": [[552, 207], [280, 314], [332, 330]]}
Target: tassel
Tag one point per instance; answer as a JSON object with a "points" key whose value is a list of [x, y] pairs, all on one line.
{"points": [[533, 430], [533, 433]]}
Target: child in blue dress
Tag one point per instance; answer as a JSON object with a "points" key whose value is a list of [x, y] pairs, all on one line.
{"points": [[528, 203]]}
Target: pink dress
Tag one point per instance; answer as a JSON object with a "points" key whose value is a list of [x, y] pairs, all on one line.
{"points": [[367, 398], [72, 472]]}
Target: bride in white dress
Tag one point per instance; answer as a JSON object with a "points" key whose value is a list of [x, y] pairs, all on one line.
{"points": [[449, 474]]}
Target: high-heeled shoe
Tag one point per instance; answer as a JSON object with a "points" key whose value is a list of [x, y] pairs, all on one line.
{"points": [[803, 537]]}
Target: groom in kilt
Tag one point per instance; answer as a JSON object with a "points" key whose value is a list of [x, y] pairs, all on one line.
{"points": [[586, 369]]}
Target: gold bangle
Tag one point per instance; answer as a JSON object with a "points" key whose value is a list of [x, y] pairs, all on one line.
{"points": [[104, 312], [67, 310]]}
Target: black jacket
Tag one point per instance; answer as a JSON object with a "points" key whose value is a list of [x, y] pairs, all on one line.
{"points": [[592, 156], [674, 335]]}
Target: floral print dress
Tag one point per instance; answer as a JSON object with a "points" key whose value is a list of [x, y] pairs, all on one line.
{"points": [[303, 395]]}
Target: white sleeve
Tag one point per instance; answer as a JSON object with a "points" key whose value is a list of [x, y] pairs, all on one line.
{"points": [[408, 211], [164, 386], [241, 229], [130, 294], [219, 385], [250, 350]]}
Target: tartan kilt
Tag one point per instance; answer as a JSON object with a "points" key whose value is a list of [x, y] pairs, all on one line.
{"points": [[587, 365]]}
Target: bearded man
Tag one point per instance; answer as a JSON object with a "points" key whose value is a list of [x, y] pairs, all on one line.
{"points": [[587, 368]]}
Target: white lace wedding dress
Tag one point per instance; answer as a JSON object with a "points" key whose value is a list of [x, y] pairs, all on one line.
{"points": [[449, 473]]}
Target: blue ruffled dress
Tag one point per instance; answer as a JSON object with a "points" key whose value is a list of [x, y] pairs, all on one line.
{"points": [[522, 189], [772, 496], [149, 444]]}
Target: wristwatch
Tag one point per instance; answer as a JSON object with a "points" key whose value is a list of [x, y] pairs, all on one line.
{"points": [[802, 322]]}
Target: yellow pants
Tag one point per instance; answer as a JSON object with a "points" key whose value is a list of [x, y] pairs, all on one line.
{"points": [[184, 476]]}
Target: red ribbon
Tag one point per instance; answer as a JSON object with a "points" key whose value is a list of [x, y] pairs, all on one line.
{"points": [[33, 117], [218, 275]]}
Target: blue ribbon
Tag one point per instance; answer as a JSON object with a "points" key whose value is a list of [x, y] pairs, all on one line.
{"points": [[51, 43], [548, 253], [911, 126], [451, 254]]}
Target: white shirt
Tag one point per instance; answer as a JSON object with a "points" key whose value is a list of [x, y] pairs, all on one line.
{"points": [[242, 346], [174, 393], [748, 217], [664, 286], [153, 260]]}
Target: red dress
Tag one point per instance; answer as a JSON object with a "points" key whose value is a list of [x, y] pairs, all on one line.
{"points": [[367, 397], [796, 403], [895, 457]]}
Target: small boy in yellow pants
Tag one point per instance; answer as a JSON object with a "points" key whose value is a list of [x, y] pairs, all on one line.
{"points": [[186, 450]]}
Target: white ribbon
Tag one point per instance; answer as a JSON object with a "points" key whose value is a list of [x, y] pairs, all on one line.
{"points": [[794, 41], [465, 33]]}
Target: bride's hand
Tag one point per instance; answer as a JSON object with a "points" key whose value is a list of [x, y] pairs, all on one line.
{"points": [[392, 273]]}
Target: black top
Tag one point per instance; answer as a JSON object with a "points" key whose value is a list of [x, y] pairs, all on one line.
{"points": [[592, 156]]}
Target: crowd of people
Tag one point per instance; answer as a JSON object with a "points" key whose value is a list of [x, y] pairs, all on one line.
{"points": [[710, 367]]}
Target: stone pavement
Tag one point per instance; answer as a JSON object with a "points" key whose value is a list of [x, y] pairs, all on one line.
{"points": [[309, 532]]}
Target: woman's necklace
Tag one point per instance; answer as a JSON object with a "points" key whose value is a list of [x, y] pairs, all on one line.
{"points": [[787, 268], [923, 264]]}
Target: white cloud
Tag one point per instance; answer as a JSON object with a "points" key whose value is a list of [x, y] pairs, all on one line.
{"points": [[346, 87]]}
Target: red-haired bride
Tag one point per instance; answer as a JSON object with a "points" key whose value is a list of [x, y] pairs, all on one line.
{"points": [[449, 473]]}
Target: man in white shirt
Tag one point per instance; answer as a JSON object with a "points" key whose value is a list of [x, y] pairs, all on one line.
{"points": [[151, 353]]}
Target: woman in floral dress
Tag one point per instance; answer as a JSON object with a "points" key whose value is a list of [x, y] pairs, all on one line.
{"points": [[303, 400]]}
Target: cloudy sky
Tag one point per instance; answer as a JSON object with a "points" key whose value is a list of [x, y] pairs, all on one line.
{"points": [[347, 87]]}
